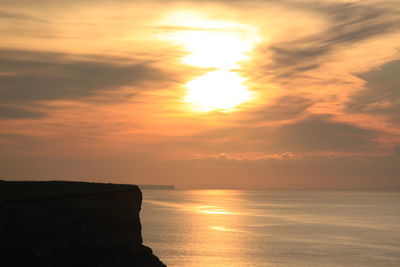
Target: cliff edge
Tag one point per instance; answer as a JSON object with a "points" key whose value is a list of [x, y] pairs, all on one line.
{"points": [[75, 224]]}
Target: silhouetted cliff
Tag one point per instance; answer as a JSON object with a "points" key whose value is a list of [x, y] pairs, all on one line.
{"points": [[71, 224]]}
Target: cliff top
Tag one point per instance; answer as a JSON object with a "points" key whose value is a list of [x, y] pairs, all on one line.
{"points": [[34, 190]]}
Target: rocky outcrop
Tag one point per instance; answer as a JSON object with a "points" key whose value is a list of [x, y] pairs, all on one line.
{"points": [[71, 224]]}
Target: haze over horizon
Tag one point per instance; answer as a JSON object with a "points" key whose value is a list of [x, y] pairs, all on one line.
{"points": [[290, 94]]}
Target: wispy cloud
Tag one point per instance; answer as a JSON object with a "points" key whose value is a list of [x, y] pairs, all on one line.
{"points": [[37, 76]]}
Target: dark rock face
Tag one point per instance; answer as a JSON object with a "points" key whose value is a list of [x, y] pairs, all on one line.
{"points": [[71, 224]]}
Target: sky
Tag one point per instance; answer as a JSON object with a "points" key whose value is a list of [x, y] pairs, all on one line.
{"points": [[288, 94]]}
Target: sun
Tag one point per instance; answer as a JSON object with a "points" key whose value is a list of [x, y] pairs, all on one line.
{"points": [[219, 46], [220, 89], [214, 49]]}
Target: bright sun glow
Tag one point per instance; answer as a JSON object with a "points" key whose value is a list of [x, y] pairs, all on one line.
{"points": [[214, 49], [220, 89], [220, 45]]}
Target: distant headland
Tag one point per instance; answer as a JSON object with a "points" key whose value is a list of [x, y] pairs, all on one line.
{"points": [[160, 187]]}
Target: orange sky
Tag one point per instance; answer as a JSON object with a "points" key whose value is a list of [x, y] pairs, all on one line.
{"points": [[292, 94]]}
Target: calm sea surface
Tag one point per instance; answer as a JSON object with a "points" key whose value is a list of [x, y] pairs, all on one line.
{"points": [[227, 228]]}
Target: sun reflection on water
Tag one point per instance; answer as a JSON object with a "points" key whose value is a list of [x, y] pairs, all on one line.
{"points": [[214, 227], [217, 222], [214, 210], [225, 228]]}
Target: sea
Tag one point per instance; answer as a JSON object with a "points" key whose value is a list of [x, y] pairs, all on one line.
{"points": [[229, 228]]}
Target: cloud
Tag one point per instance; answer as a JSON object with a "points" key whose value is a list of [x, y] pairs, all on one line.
{"points": [[381, 94], [397, 151], [21, 17], [314, 134], [371, 173], [348, 23], [283, 108], [27, 139], [316, 172], [40, 76], [322, 133], [19, 113]]}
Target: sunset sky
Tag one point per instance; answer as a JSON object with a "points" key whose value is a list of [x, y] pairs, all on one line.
{"points": [[288, 94]]}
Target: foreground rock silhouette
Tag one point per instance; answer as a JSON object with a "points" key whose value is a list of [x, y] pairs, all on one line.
{"points": [[72, 224]]}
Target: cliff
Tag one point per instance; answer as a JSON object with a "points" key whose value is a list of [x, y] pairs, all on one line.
{"points": [[72, 224]]}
